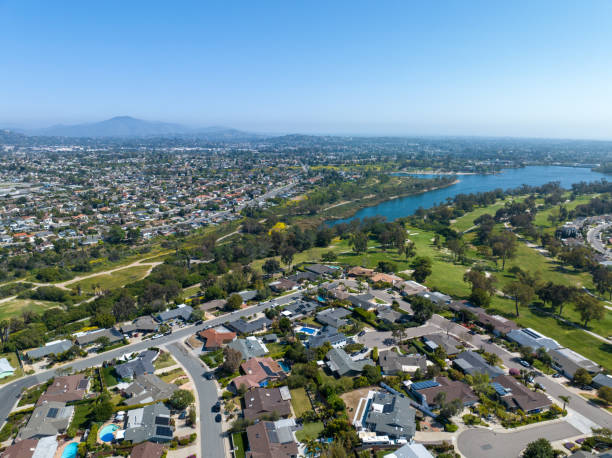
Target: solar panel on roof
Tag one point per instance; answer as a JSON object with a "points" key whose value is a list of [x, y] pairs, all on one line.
{"points": [[425, 384], [52, 412], [162, 421], [163, 431], [499, 389], [83, 384]]}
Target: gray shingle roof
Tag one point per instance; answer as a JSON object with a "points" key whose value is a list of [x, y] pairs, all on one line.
{"points": [[248, 327], [48, 419], [328, 334], [149, 423], [391, 415], [529, 338], [341, 363], [183, 313], [56, 348], [112, 334], [143, 364], [471, 363], [249, 348], [333, 317]]}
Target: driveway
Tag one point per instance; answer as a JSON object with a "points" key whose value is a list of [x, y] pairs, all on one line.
{"points": [[478, 442], [211, 440]]}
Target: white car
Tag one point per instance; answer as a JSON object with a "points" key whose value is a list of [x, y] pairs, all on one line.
{"points": [[157, 336]]}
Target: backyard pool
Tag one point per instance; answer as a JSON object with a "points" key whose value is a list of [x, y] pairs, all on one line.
{"points": [[71, 450], [284, 366], [107, 434], [306, 330]]}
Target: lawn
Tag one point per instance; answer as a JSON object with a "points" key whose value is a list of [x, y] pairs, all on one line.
{"points": [[12, 359], [81, 418], [309, 431], [598, 402], [31, 395], [466, 221], [276, 350], [111, 281], [169, 376], [300, 402], [164, 360], [109, 376], [16, 307], [238, 441], [212, 358]]}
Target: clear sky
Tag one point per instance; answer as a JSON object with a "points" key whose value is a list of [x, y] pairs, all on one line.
{"points": [[532, 68]]}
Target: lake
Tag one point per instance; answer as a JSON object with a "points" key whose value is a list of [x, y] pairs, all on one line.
{"points": [[506, 179]]}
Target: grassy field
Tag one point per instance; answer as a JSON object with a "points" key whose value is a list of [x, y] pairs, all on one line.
{"points": [[164, 360], [82, 419], [16, 307], [300, 401], [12, 359], [109, 375], [309, 431], [466, 221], [111, 281]]}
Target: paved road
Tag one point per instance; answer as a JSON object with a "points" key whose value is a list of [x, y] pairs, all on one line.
{"points": [[476, 443], [594, 238], [10, 392], [211, 440]]}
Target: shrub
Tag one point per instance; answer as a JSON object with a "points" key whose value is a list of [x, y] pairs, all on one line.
{"points": [[450, 427]]}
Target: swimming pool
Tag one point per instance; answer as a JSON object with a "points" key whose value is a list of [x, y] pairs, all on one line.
{"points": [[284, 366], [107, 433], [309, 331], [71, 450]]}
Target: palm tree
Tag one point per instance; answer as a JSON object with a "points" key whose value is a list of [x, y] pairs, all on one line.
{"points": [[566, 400]]}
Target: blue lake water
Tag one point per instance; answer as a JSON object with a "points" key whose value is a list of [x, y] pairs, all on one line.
{"points": [[507, 179]]}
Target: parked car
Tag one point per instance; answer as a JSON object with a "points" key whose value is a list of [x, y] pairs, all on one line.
{"points": [[362, 333], [197, 323], [556, 375], [157, 336], [524, 363], [210, 375], [216, 407], [218, 418]]}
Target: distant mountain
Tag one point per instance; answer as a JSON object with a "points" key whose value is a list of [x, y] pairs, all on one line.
{"points": [[127, 126]]}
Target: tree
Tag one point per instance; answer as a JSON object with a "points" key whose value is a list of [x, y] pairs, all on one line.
{"points": [[582, 377], [234, 302], [410, 249], [192, 417], [231, 360], [422, 268], [329, 256], [589, 308], [103, 410], [115, 235], [181, 399], [458, 247], [556, 295], [359, 241], [605, 394], [566, 400], [504, 247], [522, 294], [540, 448], [422, 309], [271, 266], [103, 341], [287, 253], [375, 354], [284, 324]]}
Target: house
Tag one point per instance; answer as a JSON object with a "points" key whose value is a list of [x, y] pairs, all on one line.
{"points": [[249, 327], [365, 301], [391, 415], [91, 337], [470, 362], [341, 364], [248, 295], [213, 339], [435, 297], [272, 439], [388, 315], [6, 370], [51, 348], [214, 304], [32, 448], [328, 334], [359, 271], [334, 317], [282, 285], [450, 344], [251, 347], [148, 388], [142, 324], [302, 277], [66, 388], [391, 362], [568, 362], [411, 450], [385, 278], [515, 395], [410, 288], [299, 309], [142, 364], [149, 423], [602, 380], [182, 312], [257, 372], [426, 391], [527, 337], [49, 419], [269, 338], [500, 325], [267, 401], [320, 270], [147, 450]]}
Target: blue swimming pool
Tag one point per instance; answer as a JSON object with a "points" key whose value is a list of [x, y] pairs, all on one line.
{"points": [[284, 366], [306, 330], [107, 433], [71, 450]]}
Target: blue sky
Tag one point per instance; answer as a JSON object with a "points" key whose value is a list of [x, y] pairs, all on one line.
{"points": [[540, 68]]}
